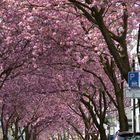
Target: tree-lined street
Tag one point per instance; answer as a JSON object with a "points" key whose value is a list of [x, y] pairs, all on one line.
{"points": [[63, 67]]}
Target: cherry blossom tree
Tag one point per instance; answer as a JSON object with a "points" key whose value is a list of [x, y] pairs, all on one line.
{"points": [[113, 21], [27, 110]]}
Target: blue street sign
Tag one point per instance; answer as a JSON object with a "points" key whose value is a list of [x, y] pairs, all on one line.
{"points": [[133, 79]]}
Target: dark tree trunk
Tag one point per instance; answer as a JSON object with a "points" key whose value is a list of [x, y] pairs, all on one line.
{"points": [[16, 130], [139, 105], [27, 134], [103, 135], [87, 137], [5, 137], [93, 137], [34, 137], [122, 115]]}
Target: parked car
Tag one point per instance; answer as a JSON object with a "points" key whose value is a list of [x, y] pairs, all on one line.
{"points": [[127, 136], [111, 137]]}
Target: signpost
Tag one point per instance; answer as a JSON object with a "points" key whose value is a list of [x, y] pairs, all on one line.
{"points": [[133, 89], [132, 93], [133, 79]]}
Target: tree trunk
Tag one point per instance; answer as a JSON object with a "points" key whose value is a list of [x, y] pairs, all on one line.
{"points": [[27, 134], [103, 135], [34, 136], [122, 115], [87, 137], [16, 130], [93, 137], [5, 137]]}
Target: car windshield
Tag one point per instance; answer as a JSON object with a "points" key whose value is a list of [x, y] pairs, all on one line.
{"points": [[129, 138], [135, 138]]}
